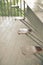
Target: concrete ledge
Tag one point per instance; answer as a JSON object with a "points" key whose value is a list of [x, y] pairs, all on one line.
{"points": [[14, 6]]}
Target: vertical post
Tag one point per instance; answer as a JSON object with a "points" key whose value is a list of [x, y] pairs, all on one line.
{"points": [[17, 9], [10, 7], [14, 12], [1, 7], [24, 9], [20, 7], [7, 8]]}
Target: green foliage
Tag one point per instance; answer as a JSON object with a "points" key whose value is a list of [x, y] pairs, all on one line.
{"points": [[6, 10]]}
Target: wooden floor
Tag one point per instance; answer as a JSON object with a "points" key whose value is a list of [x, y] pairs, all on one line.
{"points": [[11, 44]]}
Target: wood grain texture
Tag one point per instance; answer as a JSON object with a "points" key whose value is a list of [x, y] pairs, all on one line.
{"points": [[11, 43]]}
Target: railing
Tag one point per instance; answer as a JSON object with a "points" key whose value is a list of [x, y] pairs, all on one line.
{"points": [[11, 8], [33, 24]]}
